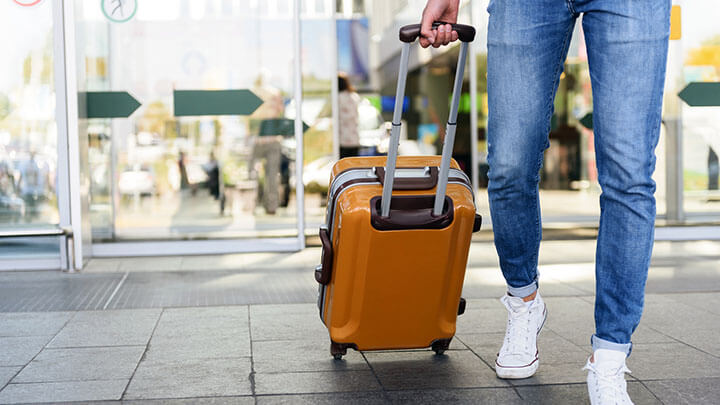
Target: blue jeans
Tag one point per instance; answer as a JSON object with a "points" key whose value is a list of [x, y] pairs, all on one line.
{"points": [[627, 44]]}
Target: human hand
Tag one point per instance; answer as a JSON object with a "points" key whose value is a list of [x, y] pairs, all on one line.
{"points": [[438, 10]]}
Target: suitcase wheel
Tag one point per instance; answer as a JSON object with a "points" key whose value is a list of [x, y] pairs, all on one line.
{"points": [[439, 346], [337, 350]]}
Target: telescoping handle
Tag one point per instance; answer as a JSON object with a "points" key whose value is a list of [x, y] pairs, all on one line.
{"points": [[408, 34]]}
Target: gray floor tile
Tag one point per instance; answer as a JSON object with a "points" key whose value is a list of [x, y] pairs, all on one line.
{"points": [[552, 348], [423, 370], [694, 326], [315, 382], [217, 321], [687, 391], [32, 323], [457, 396], [6, 374], [191, 378], [565, 373], [69, 391], [577, 394], [108, 328], [280, 322], [18, 351], [671, 360], [213, 345], [572, 318], [349, 398], [484, 320], [79, 364], [244, 400], [302, 355], [150, 264], [709, 302]]}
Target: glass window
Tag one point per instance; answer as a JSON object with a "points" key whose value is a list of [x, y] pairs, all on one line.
{"points": [[28, 134], [161, 174]]}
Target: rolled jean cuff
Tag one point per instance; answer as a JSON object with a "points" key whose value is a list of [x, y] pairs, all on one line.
{"points": [[598, 343], [523, 291]]}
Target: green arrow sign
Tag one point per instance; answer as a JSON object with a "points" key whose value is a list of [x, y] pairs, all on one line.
{"points": [[587, 121], [701, 94], [109, 104], [215, 102]]}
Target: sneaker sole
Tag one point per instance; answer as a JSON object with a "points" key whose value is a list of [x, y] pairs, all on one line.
{"points": [[516, 373], [520, 372]]}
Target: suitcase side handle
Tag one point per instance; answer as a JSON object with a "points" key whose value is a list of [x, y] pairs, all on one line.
{"points": [[409, 33], [411, 183], [324, 271]]}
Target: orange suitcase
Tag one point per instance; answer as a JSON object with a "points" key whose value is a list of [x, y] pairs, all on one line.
{"points": [[396, 242]]}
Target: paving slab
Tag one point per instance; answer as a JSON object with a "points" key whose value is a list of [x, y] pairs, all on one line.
{"points": [[561, 373], [18, 351], [219, 321], [6, 374], [482, 320], [32, 323], [68, 391], [275, 356], [108, 328], [286, 322], [191, 378], [315, 382], [552, 348], [572, 318], [243, 400], [689, 324], [577, 394], [81, 364], [657, 361], [210, 345], [688, 391], [352, 398], [424, 370], [458, 396]]}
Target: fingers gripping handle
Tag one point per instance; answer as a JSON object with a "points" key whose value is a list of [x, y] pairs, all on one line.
{"points": [[409, 33]]}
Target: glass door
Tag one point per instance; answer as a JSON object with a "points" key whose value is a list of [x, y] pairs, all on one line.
{"points": [[190, 123]]}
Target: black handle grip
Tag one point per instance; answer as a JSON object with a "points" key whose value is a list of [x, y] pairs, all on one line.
{"points": [[323, 275], [466, 33]]}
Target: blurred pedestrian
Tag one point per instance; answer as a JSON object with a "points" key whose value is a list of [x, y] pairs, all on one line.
{"points": [[348, 102], [528, 41]]}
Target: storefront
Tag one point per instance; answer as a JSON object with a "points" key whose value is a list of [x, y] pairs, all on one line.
{"points": [[136, 127]]}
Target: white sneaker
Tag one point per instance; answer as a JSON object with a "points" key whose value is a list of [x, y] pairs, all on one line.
{"points": [[606, 378], [518, 357]]}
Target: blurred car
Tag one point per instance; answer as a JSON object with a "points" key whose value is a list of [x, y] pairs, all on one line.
{"points": [[137, 180], [316, 175]]}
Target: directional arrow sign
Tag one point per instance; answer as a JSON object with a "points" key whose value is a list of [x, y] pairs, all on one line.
{"points": [[701, 94], [215, 102], [109, 104], [587, 121]]}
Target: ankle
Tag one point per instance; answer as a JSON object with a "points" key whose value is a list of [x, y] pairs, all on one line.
{"points": [[530, 297]]}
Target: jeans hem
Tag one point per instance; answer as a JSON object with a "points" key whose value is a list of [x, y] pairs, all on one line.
{"points": [[598, 343], [523, 291]]}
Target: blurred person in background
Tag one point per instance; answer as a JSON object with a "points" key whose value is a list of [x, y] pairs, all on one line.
{"points": [[348, 100], [627, 43]]}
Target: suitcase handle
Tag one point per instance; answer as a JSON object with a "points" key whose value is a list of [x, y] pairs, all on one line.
{"points": [[449, 129], [411, 183], [466, 33], [323, 273]]}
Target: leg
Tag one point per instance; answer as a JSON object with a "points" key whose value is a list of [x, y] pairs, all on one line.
{"points": [[527, 45], [627, 50]]}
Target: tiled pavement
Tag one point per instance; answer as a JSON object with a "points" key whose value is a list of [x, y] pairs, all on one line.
{"points": [[278, 353]]}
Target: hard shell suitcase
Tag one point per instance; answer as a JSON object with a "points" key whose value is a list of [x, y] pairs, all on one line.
{"points": [[396, 239]]}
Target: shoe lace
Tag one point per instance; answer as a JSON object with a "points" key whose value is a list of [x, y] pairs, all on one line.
{"points": [[611, 383], [519, 330]]}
